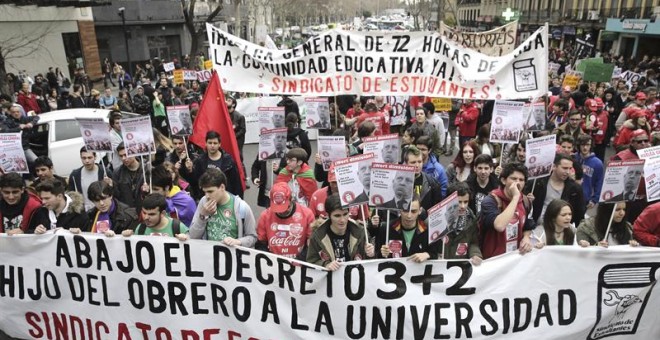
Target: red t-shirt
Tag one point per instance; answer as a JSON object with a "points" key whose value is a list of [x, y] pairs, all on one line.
{"points": [[288, 236]]}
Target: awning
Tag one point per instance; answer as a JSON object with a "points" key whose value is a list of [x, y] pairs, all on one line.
{"points": [[608, 36]]}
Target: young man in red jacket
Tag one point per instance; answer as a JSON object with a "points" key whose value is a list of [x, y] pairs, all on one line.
{"points": [[466, 120], [19, 209], [646, 229], [597, 123]]}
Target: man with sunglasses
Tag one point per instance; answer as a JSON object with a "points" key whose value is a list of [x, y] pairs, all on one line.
{"points": [[640, 140]]}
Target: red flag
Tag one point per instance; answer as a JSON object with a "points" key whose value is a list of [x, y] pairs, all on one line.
{"points": [[214, 116]]}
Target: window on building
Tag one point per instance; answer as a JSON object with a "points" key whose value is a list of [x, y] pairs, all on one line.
{"points": [[73, 52], [164, 47]]}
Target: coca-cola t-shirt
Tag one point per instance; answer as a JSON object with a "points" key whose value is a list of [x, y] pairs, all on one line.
{"points": [[286, 235]]}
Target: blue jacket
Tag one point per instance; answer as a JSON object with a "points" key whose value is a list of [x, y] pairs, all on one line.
{"points": [[434, 169], [592, 180]]}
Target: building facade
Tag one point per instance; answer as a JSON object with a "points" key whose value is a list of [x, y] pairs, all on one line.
{"points": [[570, 19], [39, 37]]}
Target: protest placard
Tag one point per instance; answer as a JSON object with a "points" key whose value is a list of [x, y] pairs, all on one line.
{"points": [[317, 111], [189, 75], [178, 77], [400, 107], [354, 189], [208, 64], [616, 73], [534, 116], [204, 76], [651, 157], [138, 136], [386, 148], [272, 144], [391, 186], [71, 286], [621, 181], [179, 120], [442, 217], [441, 104], [571, 79], [496, 42], [331, 148], [553, 68], [168, 66], [379, 63], [96, 134], [540, 155], [271, 117], [507, 123], [12, 155], [630, 76]]}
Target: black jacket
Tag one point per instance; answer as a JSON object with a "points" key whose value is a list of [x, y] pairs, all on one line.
{"points": [[228, 167], [418, 244], [13, 125], [572, 194], [74, 217], [239, 128], [123, 218], [75, 181], [259, 170], [127, 186]]}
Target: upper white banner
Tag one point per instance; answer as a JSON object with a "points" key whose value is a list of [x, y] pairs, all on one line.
{"points": [[496, 42], [60, 286], [381, 63]]}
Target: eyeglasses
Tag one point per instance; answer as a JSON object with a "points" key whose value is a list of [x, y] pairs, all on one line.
{"points": [[641, 141]]}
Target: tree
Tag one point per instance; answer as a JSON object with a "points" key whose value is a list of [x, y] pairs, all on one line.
{"points": [[197, 30], [15, 45]]}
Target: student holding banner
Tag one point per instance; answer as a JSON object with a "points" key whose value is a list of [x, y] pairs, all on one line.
{"points": [[109, 216], [407, 236], [557, 227], [462, 240], [591, 231], [504, 224], [285, 227], [338, 240]]}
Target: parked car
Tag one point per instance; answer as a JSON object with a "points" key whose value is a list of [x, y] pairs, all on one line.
{"points": [[57, 135]]}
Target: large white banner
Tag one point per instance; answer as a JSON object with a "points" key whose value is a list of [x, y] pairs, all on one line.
{"points": [[496, 42], [145, 287], [381, 63]]}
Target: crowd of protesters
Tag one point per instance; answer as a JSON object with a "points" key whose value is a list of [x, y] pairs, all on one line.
{"points": [[186, 192]]}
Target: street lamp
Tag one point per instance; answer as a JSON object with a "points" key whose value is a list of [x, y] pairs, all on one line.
{"points": [[123, 26]]}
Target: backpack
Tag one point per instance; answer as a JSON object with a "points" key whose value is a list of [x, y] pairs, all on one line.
{"points": [[527, 204], [176, 228]]}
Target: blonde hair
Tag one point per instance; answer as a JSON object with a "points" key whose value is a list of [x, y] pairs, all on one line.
{"points": [[162, 140]]}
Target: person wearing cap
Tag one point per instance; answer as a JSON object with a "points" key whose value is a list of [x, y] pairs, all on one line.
{"points": [[638, 121], [640, 140], [564, 95], [338, 239], [639, 102], [598, 124], [284, 228], [298, 175]]}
